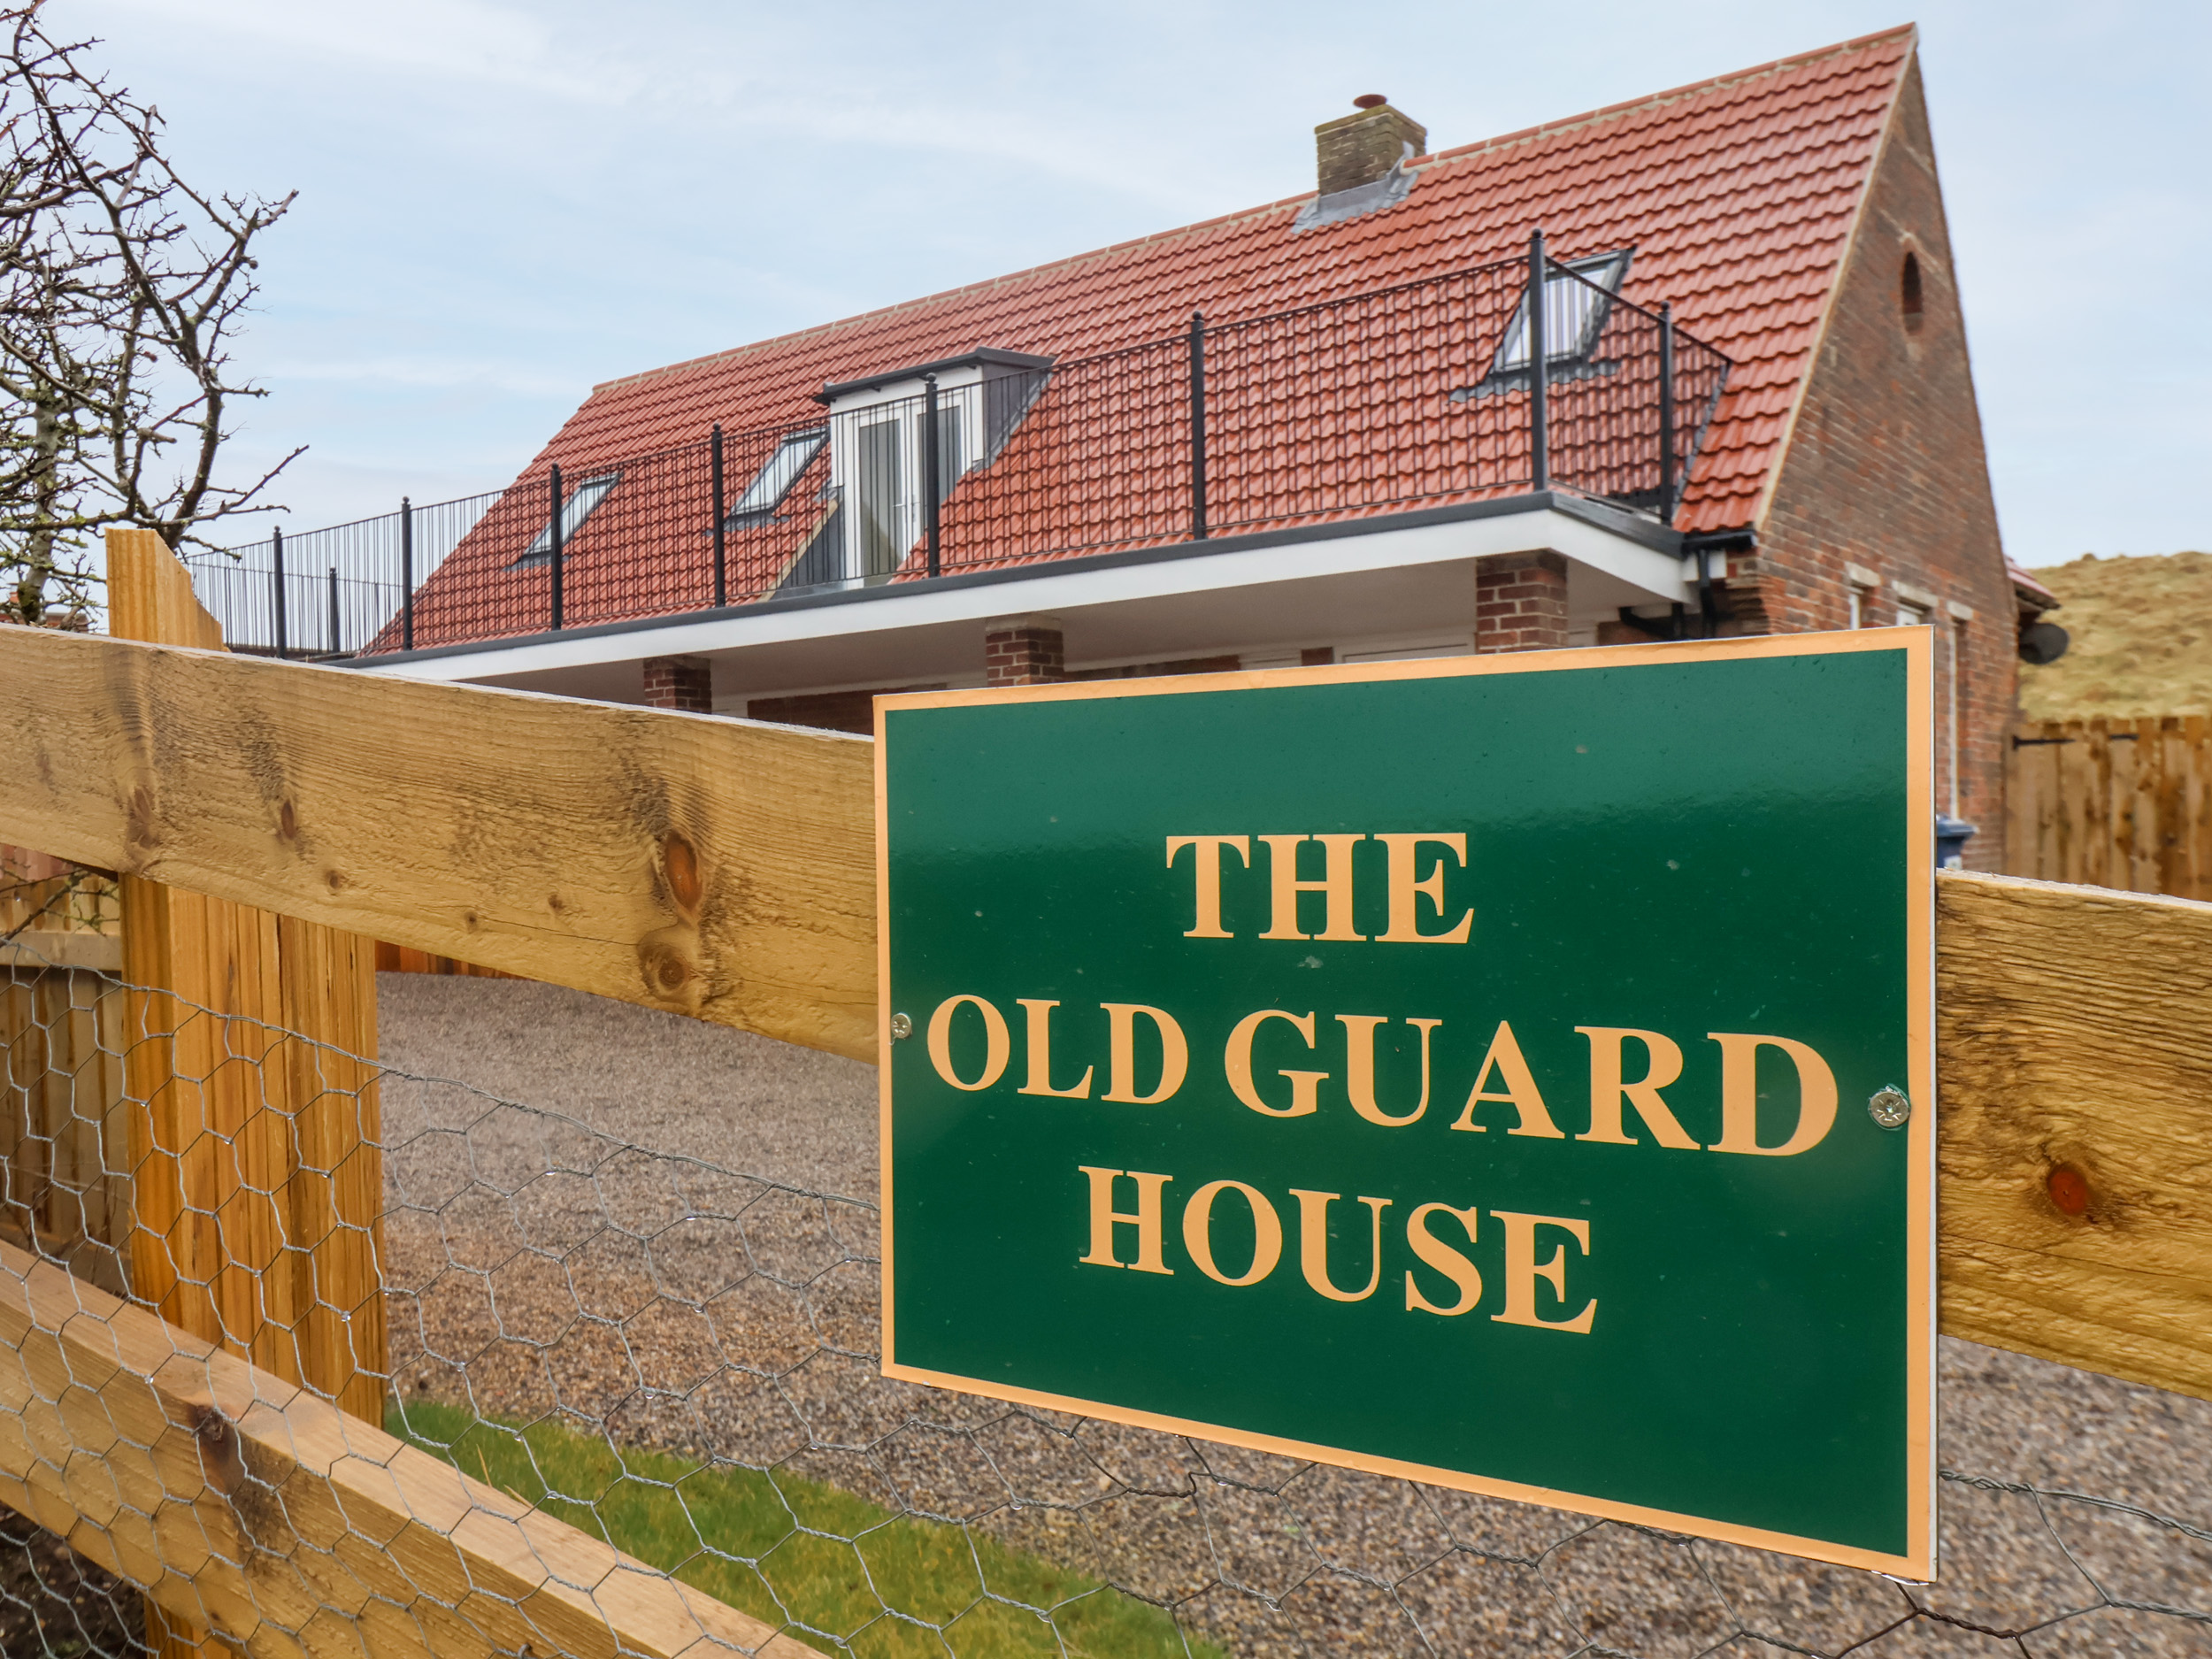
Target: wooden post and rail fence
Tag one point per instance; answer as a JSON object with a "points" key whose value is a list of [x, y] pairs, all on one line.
{"points": [[266, 818]]}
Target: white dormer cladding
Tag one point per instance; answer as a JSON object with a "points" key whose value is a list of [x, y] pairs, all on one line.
{"points": [[878, 450]]}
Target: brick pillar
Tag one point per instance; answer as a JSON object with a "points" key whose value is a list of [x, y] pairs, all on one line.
{"points": [[1753, 596], [685, 683], [1521, 602], [1024, 651]]}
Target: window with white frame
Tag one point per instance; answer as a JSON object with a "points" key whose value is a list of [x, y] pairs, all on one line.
{"points": [[1575, 310], [582, 502], [880, 486], [1952, 677], [781, 470]]}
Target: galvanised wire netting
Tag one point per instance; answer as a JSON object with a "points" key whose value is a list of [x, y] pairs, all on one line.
{"points": [[583, 1310]]}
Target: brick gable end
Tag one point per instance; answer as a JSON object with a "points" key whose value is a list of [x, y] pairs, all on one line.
{"points": [[1884, 470]]}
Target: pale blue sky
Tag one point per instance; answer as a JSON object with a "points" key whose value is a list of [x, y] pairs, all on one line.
{"points": [[502, 203]]}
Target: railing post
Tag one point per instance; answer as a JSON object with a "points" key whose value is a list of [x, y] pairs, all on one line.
{"points": [[1538, 377], [406, 574], [1197, 426], [557, 546], [721, 547], [276, 565], [333, 610], [1666, 414], [931, 462]]}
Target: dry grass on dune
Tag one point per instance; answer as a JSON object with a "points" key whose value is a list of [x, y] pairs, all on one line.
{"points": [[2142, 640]]}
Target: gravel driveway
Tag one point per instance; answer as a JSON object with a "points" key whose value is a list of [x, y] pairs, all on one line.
{"points": [[690, 1262]]}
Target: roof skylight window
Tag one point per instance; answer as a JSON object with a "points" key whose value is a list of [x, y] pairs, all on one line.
{"points": [[776, 477], [1574, 314], [581, 503], [1575, 309]]}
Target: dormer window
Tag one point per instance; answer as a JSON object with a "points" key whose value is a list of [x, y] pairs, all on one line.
{"points": [[1575, 314], [880, 486], [776, 477], [582, 502]]}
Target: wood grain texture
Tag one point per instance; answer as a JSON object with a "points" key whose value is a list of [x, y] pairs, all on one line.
{"points": [[62, 1111], [253, 1094], [37, 949], [391, 958], [240, 1503], [150, 597], [253, 1132], [2074, 1057], [708, 866], [2119, 803], [725, 870]]}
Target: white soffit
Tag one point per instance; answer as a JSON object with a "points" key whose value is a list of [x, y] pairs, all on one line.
{"points": [[1085, 587]]}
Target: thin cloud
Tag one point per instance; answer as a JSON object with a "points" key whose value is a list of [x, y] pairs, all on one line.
{"points": [[423, 371], [447, 40]]}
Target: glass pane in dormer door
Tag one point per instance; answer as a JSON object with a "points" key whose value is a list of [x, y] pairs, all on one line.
{"points": [[879, 483]]}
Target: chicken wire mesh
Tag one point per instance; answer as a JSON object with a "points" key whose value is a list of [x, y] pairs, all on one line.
{"points": [[678, 1356]]}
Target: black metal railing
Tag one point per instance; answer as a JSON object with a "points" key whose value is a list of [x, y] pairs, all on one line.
{"points": [[332, 592], [1419, 393]]}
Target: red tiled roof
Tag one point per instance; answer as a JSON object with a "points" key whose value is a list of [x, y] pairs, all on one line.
{"points": [[2033, 593], [1738, 196]]}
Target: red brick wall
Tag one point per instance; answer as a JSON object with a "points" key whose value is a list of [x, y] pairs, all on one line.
{"points": [[1024, 651], [679, 682], [1886, 470], [1147, 671], [1521, 602], [831, 711]]}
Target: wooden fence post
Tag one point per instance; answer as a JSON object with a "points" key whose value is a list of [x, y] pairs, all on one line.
{"points": [[257, 1173]]}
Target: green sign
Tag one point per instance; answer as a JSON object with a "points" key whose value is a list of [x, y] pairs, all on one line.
{"points": [[1512, 1072]]}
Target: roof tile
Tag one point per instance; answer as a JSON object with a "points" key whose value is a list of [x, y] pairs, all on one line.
{"points": [[1737, 196]]}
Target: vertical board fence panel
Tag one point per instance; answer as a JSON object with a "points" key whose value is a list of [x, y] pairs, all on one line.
{"points": [[61, 1118], [256, 1229], [2113, 804], [61, 1088]]}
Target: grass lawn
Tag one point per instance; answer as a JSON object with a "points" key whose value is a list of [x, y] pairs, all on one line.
{"points": [[799, 1555]]}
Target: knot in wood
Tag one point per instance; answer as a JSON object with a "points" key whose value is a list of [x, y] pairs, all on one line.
{"points": [[221, 1462], [668, 963], [2069, 1189], [679, 860], [140, 828]]}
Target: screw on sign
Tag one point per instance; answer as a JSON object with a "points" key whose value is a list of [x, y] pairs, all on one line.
{"points": [[1306, 1045]]}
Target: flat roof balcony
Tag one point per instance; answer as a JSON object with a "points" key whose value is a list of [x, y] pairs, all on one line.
{"points": [[1406, 407]]}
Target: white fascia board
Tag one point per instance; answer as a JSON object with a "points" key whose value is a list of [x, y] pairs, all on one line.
{"points": [[1042, 587], [899, 391]]}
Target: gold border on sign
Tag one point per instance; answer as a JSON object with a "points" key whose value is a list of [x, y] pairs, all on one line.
{"points": [[1918, 643]]}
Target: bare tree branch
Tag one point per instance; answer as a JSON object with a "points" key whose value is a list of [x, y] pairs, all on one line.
{"points": [[122, 287]]}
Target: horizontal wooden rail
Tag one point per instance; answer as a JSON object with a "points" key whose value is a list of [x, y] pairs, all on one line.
{"points": [[717, 868], [237, 1500], [725, 870], [2073, 1068]]}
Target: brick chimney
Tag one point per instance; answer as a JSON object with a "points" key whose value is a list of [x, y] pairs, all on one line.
{"points": [[1360, 148]]}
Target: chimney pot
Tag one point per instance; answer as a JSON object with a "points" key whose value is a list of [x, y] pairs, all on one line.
{"points": [[1360, 148]]}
